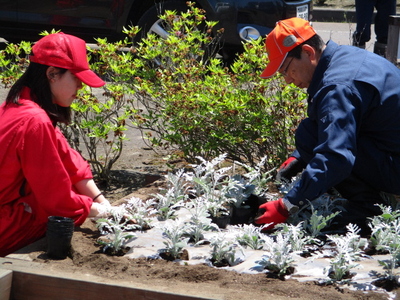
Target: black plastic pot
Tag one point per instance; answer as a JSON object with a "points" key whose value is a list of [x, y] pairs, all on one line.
{"points": [[247, 211], [221, 221], [59, 234], [242, 215]]}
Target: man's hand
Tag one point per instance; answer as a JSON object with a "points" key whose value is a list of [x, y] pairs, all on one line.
{"points": [[273, 212], [289, 169]]}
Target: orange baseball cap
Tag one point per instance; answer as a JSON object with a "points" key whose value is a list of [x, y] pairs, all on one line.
{"points": [[67, 52], [286, 35]]}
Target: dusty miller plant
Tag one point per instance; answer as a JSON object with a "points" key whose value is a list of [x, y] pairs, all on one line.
{"points": [[385, 236], [257, 176], [213, 184], [241, 190], [347, 253], [199, 221], [174, 232], [250, 236], [278, 258], [317, 214], [118, 229], [295, 235], [223, 251], [140, 211], [167, 204]]}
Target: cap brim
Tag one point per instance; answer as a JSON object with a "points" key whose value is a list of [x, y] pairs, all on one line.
{"points": [[89, 78], [273, 67]]}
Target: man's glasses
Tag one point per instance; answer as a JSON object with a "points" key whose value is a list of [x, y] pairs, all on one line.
{"points": [[284, 72]]}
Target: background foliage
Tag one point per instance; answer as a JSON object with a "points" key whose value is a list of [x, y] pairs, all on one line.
{"points": [[180, 95]]}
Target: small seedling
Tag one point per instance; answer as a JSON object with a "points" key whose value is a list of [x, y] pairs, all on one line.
{"points": [[199, 222], [348, 251], [223, 251], [118, 227], [167, 204], [250, 236], [140, 211], [296, 236], [174, 232], [278, 258]]}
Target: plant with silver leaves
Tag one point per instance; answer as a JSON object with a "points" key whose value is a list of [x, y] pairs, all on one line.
{"points": [[172, 198], [347, 252], [241, 191], [213, 184], [223, 251], [278, 258], [199, 222], [385, 236], [140, 211], [316, 219], [250, 236], [167, 204], [178, 184], [295, 235], [174, 232], [117, 227], [256, 177]]}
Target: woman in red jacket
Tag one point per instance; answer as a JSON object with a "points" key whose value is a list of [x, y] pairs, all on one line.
{"points": [[40, 174]]}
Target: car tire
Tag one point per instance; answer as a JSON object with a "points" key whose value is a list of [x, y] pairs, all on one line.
{"points": [[151, 22]]}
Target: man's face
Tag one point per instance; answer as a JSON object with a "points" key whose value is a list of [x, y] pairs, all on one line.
{"points": [[300, 71]]}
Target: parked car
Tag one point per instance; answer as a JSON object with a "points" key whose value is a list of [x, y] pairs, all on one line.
{"points": [[88, 19]]}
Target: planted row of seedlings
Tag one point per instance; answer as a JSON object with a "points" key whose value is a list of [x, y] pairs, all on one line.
{"points": [[214, 196]]}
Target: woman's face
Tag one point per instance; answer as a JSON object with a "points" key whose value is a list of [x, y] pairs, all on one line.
{"points": [[63, 86]]}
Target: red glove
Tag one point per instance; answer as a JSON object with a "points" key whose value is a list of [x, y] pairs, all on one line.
{"points": [[272, 212], [289, 169]]}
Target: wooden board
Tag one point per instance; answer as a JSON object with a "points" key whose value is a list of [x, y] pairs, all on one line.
{"points": [[30, 281], [5, 284]]}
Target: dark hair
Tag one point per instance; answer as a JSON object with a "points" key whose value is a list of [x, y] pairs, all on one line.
{"points": [[36, 79], [316, 42]]}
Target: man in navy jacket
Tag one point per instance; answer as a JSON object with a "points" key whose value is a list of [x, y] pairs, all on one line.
{"points": [[351, 138]]}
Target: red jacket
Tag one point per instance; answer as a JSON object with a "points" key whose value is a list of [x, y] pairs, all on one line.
{"points": [[37, 172]]}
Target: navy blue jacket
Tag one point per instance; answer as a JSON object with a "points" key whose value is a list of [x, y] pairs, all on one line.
{"points": [[354, 108]]}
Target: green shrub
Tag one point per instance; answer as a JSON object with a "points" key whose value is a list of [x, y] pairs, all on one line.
{"points": [[180, 95], [195, 104]]}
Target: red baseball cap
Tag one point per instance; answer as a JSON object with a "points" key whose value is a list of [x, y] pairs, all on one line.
{"points": [[286, 35], [68, 52]]}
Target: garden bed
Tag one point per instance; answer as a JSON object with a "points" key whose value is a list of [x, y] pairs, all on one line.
{"points": [[88, 262]]}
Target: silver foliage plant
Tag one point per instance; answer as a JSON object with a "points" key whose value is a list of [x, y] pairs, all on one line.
{"points": [[199, 222], [175, 239], [213, 184], [250, 236], [348, 251], [224, 251], [385, 237], [210, 187], [278, 257], [118, 228], [140, 211]]}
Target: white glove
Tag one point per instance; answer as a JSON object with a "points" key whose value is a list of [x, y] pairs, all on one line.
{"points": [[104, 209]]}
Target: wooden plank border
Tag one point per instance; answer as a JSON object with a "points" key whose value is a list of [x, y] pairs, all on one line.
{"points": [[5, 284], [31, 282]]}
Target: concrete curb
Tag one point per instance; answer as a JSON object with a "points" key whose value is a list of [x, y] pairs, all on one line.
{"points": [[333, 15]]}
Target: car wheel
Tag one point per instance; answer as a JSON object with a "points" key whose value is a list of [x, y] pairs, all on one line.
{"points": [[150, 21]]}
